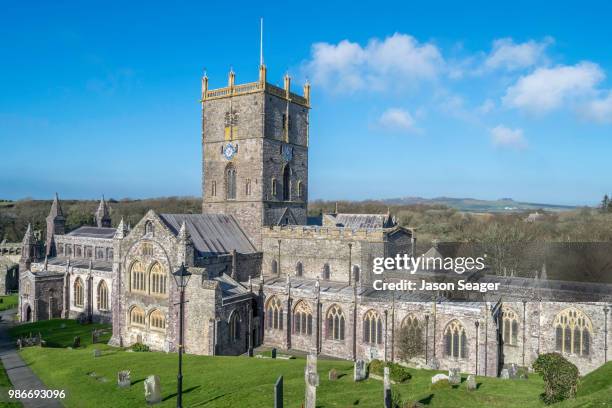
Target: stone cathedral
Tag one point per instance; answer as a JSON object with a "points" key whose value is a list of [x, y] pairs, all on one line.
{"points": [[264, 273]]}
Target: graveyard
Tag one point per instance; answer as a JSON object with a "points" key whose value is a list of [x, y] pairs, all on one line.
{"points": [[89, 373]]}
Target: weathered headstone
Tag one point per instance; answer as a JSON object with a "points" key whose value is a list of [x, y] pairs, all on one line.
{"points": [[123, 379], [273, 353], [96, 353], [438, 377], [76, 342], [359, 372], [513, 371], [19, 345], [471, 382], [454, 377], [332, 375], [152, 388], [312, 381], [278, 393], [433, 364], [387, 388], [505, 375]]}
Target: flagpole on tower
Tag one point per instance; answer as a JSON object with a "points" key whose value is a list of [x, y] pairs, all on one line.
{"points": [[261, 60]]}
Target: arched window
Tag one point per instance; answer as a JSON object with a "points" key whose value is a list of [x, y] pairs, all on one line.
{"points": [[79, 293], [137, 316], [287, 183], [234, 326], [302, 319], [247, 188], [213, 189], [299, 269], [102, 296], [455, 340], [372, 328], [274, 314], [230, 182], [273, 188], [27, 289], [158, 279], [573, 332], [335, 323], [78, 251], [510, 326], [300, 190], [148, 227], [157, 320], [138, 277], [356, 273], [274, 267], [325, 273]]}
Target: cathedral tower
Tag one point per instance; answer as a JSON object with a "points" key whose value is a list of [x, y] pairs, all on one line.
{"points": [[102, 215], [255, 153]]}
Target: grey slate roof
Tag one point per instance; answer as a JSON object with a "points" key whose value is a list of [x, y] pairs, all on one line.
{"points": [[93, 232], [211, 233], [358, 220]]}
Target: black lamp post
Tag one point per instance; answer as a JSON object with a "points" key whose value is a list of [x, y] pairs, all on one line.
{"points": [[181, 277]]}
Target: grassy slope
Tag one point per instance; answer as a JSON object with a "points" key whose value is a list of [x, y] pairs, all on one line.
{"points": [[8, 302], [5, 385], [225, 382]]}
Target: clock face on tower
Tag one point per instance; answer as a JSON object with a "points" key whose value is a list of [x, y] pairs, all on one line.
{"points": [[287, 153], [229, 151]]}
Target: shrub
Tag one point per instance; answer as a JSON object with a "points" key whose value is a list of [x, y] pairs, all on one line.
{"points": [[560, 377], [410, 342], [440, 385], [398, 373], [139, 347]]}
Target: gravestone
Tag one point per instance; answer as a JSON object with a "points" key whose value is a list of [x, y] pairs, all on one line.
{"points": [[76, 342], [96, 353], [471, 382], [152, 388], [359, 372], [433, 364], [387, 388], [278, 393], [311, 379], [505, 375], [438, 377], [513, 371], [332, 375], [454, 377], [123, 379], [273, 353]]}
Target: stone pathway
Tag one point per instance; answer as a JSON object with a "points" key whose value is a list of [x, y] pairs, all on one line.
{"points": [[21, 376]]}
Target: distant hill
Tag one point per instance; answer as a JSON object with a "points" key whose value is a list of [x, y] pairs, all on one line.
{"points": [[475, 205]]}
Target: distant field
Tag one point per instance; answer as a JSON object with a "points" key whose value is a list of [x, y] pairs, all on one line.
{"points": [[8, 302], [481, 206]]}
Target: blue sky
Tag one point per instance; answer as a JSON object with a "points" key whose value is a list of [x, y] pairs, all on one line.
{"points": [[471, 99]]}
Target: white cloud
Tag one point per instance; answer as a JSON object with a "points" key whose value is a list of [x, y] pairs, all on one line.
{"points": [[506, 54], [397, 119], [396, 61], [547, 89], [487, 106], [599, 110], [505, 137]]}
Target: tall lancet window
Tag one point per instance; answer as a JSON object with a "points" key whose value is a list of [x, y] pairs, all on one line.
{"points": [[287, 183], [230, 182]]}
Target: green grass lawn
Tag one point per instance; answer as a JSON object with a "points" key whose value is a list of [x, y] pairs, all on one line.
{"points": [[226, 382], [5, 385], [8, 302]]}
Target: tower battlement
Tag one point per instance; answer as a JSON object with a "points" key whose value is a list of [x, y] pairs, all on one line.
{"points": [[232, 89]]}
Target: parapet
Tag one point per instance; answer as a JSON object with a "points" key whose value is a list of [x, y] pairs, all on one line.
{"points": [[253, 87]]}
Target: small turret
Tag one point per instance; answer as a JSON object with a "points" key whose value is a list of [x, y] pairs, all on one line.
{"points": [[102, 215], [122, 230], [56, 225], [28, 248]]}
